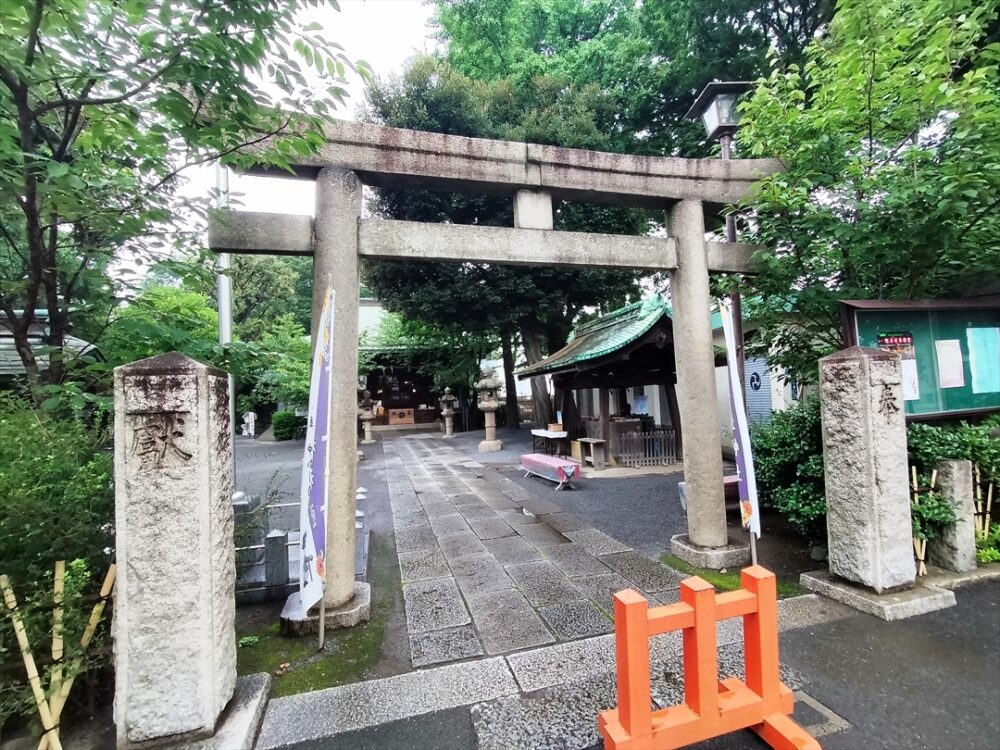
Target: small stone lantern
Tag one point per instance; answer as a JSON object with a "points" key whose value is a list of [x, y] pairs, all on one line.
{"points": [[366, 412], [489, 401], [447, 402]]}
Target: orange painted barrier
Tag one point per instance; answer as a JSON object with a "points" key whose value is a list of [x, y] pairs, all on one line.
{"points": [[711, 708]]}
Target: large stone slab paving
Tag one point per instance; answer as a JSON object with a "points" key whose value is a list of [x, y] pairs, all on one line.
{"points": [[539, 533], [422, 565], [471, 512], [460, 545], [408, 520], [576, 620], [543, 667], [451, 644], [312, 717], [490, 528], [506, 622], [511, 550], [433, 604], [563, 522], [647, 574], [595, 542], [517, 517], [543, 584], [464, 497], [435, 510], [451, 524], [497, 500], [601, 588], [572, 560], [477, 574], [412, 539]]}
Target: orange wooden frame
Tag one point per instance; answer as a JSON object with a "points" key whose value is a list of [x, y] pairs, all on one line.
{"points": [[710, 708]]}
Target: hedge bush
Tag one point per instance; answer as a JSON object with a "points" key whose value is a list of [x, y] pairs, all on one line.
{"points": [[286, 424]]}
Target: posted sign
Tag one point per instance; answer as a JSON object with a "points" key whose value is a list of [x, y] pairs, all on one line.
{"points": [[315, 466]]}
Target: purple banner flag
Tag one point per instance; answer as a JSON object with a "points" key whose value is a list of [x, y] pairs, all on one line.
{"points": [[315, 465], [749, 510]]}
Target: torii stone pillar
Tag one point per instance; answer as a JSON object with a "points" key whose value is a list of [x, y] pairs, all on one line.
{"points": [[705, 544], [335, 265]]}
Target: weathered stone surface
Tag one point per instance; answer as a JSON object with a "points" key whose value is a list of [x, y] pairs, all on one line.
{"points": [[601, 588], [477, 511], [647, 574], [865, 461], [563, 522], [595, 542], [461, 544], [174, 633], [576, 620], [451, 524], [532, 209], [573, 560], [490, 528], [735, 554], [517, 517], [416, 538], [506, 622], [955, 549], [402, 520], [543, 667], [240, 722], [295, 623], [432, 605], [422, 564], [898, 605], [539, 533], [434, 510], [444, 645], [543, 583], [477, 574], [510, 550]]}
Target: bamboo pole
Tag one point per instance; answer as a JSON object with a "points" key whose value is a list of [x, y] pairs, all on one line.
{"points": [[55, 680], [48, 726], [59, 699]]}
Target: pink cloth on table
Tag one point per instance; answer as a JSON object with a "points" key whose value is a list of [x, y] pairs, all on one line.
{"points": [[550, 467]]}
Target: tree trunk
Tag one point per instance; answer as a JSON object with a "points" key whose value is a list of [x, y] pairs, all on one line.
{"points": [[510, 383], [539, 390], [570, 413]]}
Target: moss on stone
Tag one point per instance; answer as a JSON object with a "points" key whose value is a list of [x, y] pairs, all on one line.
{"points": [[729, 581]]}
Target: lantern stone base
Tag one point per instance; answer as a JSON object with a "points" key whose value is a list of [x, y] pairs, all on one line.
{"points": [[736, 554], [490, 446]]}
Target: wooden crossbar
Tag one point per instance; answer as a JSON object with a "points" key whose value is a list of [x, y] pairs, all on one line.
{"points": [[711, 708]]}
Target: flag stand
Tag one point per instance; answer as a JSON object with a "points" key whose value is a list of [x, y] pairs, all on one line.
{"points": [[753, 548], [322, 619]]}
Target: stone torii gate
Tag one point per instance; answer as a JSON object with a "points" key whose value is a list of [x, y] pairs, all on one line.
{"points": [[533, 176]]}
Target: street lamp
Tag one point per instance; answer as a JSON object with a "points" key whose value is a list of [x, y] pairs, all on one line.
{"points": [[716, 107]]}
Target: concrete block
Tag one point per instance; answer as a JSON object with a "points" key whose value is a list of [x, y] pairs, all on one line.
{"points": [[422, 565], [478, 574], [174, 623], [417, 538], [437, 646], [736, 554], [869, 531], [898, 605], [544, 667], [490, 446], [276, 558]]}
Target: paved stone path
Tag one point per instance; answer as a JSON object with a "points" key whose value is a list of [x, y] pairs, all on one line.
{"points": [[489, 567]]}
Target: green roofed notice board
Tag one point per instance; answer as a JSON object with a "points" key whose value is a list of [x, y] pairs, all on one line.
{"points": [[950, 350]]}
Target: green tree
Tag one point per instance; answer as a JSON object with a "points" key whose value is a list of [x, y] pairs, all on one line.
{"points": [[104, 103], [540, 304], [265, 289], [890, 134]]}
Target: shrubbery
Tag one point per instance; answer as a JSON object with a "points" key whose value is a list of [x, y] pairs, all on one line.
{"points": [[56, 503], [285, 424]]}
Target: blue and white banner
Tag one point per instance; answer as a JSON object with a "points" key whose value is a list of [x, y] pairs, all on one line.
{"points": [[749, 510], [315, 466]]}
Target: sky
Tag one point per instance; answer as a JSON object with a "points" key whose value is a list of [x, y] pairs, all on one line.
{"points": [[384, 33]]}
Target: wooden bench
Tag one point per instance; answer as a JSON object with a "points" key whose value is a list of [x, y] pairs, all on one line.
{"points": [[559, 470], [596, 455]]}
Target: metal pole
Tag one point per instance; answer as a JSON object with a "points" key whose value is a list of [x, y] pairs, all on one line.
{"points": [[737, 304], [224, 289]]}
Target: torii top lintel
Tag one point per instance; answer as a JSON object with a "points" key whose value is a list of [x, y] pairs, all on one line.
{"points": [[397, 158]]}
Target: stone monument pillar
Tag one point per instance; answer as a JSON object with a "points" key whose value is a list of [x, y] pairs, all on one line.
{"points": [[956, 549], [489, 401], [366, 412], [174, 632], [447, 402], [869, 532]]}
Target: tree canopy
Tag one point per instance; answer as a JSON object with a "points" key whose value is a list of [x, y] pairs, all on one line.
{"points": [[890, 134]]}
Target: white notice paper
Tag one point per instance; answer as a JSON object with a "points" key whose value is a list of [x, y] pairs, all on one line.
{"points": [[951, 374]]}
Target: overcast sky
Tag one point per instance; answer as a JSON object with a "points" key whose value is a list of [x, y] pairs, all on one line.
{"points": [[385, 33]]}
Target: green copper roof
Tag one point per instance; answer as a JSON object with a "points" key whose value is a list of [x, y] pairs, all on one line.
{"points": [[603, 336]]}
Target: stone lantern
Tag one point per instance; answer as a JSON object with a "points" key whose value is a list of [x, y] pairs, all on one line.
{"points": [[366, 412], [447, 402], [488, 388]]}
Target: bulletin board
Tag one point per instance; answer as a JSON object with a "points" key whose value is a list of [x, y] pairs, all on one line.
{"points": [[950, 351]]}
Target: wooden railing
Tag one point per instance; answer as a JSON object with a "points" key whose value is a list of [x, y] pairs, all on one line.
{"points": [[653, 448]]}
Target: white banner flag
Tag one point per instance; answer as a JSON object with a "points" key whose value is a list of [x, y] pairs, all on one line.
{"points": [[749, 510], [315, 466]]}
